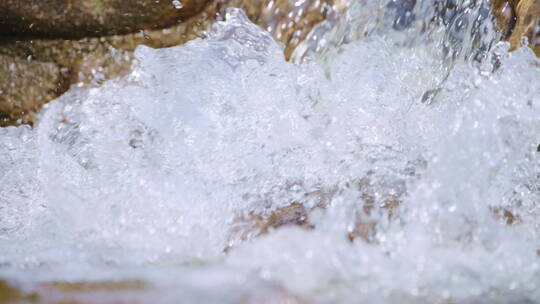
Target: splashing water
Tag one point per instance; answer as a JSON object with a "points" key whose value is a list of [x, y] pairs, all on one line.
{"points": [[152, 173]]}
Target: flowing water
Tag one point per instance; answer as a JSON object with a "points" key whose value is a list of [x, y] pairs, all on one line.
{"points": [[411, 118]]}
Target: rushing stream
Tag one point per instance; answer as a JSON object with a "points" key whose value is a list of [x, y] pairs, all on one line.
{"points": [[410, 136]]}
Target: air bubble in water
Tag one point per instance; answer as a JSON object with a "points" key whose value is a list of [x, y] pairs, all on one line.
{"points": [[177, 4]]}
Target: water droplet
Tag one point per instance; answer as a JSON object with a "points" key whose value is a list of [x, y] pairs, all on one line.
{"points": [[177, 4]]}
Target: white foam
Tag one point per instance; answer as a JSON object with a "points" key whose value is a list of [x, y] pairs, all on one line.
{"points": [[153, 169]]}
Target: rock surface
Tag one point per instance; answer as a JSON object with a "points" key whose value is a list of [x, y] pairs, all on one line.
{"points": [[46, 67], [27, 85], [517, 19], [505, 15], [84, 18], [10, 294], [527, 16], [127, 291], [91, 41], [49, 45]]}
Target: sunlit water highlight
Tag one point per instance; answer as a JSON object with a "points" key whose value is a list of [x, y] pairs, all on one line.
{"points": [[147, 177]]}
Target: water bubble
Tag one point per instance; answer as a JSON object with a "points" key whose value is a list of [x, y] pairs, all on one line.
{"points": [[177, 4]]}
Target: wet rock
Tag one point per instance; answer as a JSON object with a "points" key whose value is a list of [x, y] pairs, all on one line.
{"points": [[271, 293], [45, 68], [88, 287], [364, 226], [10, 294], [289, 21], [129, 291], [91, 18], [517, 19], [92, 41], [377, 201], [506, 216], [505, 15], [69, 52], [26, 85], [527, 16], [76, 292], [256, 224], [294, 214], [381, 201], [88, 42]]}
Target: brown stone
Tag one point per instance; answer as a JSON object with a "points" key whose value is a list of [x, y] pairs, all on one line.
{"points": [[364, 225], [91, 60], [87, 287], [43, 69], [95, 38], [527, 14], [289, 21], [506, 216], [505, 15], [517, 19], [257, 224], [66, 52], [26, 85], [10, 294], [295, 214], [365, 228], [127, 291], [91, 18]]}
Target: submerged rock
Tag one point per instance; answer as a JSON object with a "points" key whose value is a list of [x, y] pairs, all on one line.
{"points": [[257, 224], [129, 291], [365, 220], [86, 287], [294, 214]]}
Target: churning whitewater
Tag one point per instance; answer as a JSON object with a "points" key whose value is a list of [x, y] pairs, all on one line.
{"points": [[419, 174]]}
